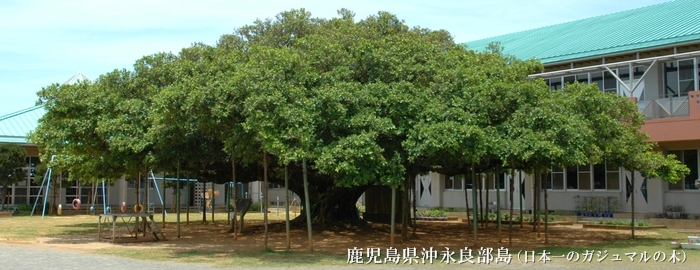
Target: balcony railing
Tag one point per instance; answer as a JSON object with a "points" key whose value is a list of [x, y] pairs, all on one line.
{"points": [[664, 107]]}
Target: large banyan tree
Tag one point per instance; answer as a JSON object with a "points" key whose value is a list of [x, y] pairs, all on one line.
{"points": [[361, 102]]}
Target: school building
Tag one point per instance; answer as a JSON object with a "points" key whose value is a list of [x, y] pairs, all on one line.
{"points": [[649, 54]]}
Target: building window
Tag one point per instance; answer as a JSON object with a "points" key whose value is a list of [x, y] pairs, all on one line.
{"points": [[698, 72], [569, 79], [468, 183], [609, 82], [605, 80], [555, 83], [557, 179], [572, 178], [606, 177], [679, 77], [493, 180], [454, 182], [597, 78], [584, 177], [690, 159], [582, 78], [501, 181]]}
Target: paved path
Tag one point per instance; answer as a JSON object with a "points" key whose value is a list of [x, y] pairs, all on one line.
{"points": [[27, 257]]}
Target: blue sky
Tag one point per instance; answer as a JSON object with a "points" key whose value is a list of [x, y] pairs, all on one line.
{"points": [[45, 42]]}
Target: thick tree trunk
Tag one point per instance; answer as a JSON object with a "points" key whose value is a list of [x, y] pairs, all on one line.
{"points": [[334, 207]]}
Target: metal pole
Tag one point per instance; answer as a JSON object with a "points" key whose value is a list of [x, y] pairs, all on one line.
{"points": [[48, 187], [104, 198]]}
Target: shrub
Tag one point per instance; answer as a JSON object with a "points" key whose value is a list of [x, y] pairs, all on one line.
{"points": [[254, 207], [643, 223], [435, 212], [620, 223], [25, 207]]}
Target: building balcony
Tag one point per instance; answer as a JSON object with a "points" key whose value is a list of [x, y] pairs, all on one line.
{"points": [[671, 119], [664, 107]]}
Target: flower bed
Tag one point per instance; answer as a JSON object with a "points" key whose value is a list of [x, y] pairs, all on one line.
{"points": [[621, 225], [430, 218]]}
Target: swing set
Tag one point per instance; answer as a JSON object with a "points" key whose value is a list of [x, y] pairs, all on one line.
{"points": [[76, 203]]}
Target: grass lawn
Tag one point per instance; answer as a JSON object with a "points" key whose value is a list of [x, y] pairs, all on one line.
{"points": [[25, 229]]}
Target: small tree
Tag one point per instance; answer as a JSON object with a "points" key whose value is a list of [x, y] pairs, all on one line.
{"points": [[12, 159]]}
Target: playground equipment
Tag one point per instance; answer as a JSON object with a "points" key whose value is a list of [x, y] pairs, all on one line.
{"points": [[46, 180], [46, 183]]}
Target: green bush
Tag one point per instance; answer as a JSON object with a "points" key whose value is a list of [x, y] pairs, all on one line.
{"points": [[492, 216], [617, 222], [435, 212], [643, 223], [254, 207], [25, 207]]}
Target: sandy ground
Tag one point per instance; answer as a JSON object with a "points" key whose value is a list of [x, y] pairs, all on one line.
{"points": [[438, 235]]}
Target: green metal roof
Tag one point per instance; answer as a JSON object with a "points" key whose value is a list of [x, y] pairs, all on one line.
{"points": [[648, 27], [15, 127]]}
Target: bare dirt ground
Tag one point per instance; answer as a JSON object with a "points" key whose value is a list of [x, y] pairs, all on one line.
{"points": [[438, 235]]}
